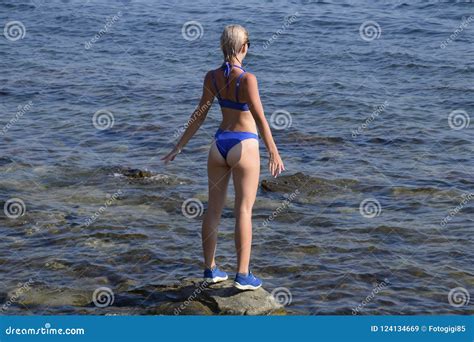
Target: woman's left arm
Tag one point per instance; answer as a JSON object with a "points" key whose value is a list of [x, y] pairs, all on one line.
{"points": [[196, 119]]}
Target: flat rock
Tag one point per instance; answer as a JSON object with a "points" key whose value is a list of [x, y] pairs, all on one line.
{"points": [[181, 308], [222, 299], [231, 301]]}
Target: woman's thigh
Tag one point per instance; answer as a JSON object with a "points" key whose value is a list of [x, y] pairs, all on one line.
{"points": [[218, 179], [244, 160]]}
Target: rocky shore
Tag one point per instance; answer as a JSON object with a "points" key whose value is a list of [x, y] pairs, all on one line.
{"points": [[189, 297]]}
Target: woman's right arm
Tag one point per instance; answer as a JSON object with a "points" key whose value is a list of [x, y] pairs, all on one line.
{"points": [[275, 164], [196, 119]]}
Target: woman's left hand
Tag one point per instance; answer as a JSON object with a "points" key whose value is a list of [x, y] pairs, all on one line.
{"points": [[275, 164], [170, 156]]}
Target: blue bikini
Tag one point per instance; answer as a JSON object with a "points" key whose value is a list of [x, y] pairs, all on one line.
{"points": [[225, 140], [227, 67]]}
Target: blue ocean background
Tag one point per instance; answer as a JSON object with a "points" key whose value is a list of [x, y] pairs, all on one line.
{"points": [[411, 157]]}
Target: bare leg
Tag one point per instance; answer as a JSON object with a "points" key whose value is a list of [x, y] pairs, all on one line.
{"points": [[218, 179], [244, 159]]}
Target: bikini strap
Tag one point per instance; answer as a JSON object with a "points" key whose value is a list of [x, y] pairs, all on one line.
{"points": [[227, 67], [238, 66], [238, 85], [215, 84]]}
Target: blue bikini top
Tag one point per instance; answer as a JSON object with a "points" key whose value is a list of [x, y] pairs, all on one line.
{"points": [[227, 67]]}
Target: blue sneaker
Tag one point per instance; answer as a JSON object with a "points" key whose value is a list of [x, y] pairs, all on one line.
{"points": [[214, 275], [247, 281]]}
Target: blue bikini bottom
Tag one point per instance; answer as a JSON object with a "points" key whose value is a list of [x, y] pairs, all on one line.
{"points": [[225, 140]]}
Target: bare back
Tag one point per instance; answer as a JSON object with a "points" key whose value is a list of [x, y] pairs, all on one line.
{"points": [[233, 89]]}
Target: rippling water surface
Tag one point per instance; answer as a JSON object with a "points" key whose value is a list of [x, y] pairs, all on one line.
{"points": [[370, 131]]}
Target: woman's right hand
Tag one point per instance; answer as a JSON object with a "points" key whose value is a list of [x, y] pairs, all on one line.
{"points": [[275, 164], [170, 156]]}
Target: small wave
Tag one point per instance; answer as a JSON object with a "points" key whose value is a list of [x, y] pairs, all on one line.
{"points": [[402, 5], [409, 66], [18, 7], [5, 161], [394, 141]]}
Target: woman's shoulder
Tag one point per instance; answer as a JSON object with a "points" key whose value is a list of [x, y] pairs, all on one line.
{"points": [[249, 77], [214, 70], [209, 75]]}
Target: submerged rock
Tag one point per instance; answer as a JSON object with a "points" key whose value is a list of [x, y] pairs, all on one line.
{"points": [[43, 295], [136, 173], [304, 138], [190, 297], [308, 185], [145, 176], [410, 192]]}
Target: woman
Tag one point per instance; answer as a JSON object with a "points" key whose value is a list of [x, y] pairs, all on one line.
{"points": [[235, 151]]}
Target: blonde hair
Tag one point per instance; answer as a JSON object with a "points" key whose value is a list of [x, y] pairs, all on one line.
{"points": [[232, 39]]}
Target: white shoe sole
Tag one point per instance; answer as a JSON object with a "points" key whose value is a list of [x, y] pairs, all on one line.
{"points": [[216, 279], [246, 287]]}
